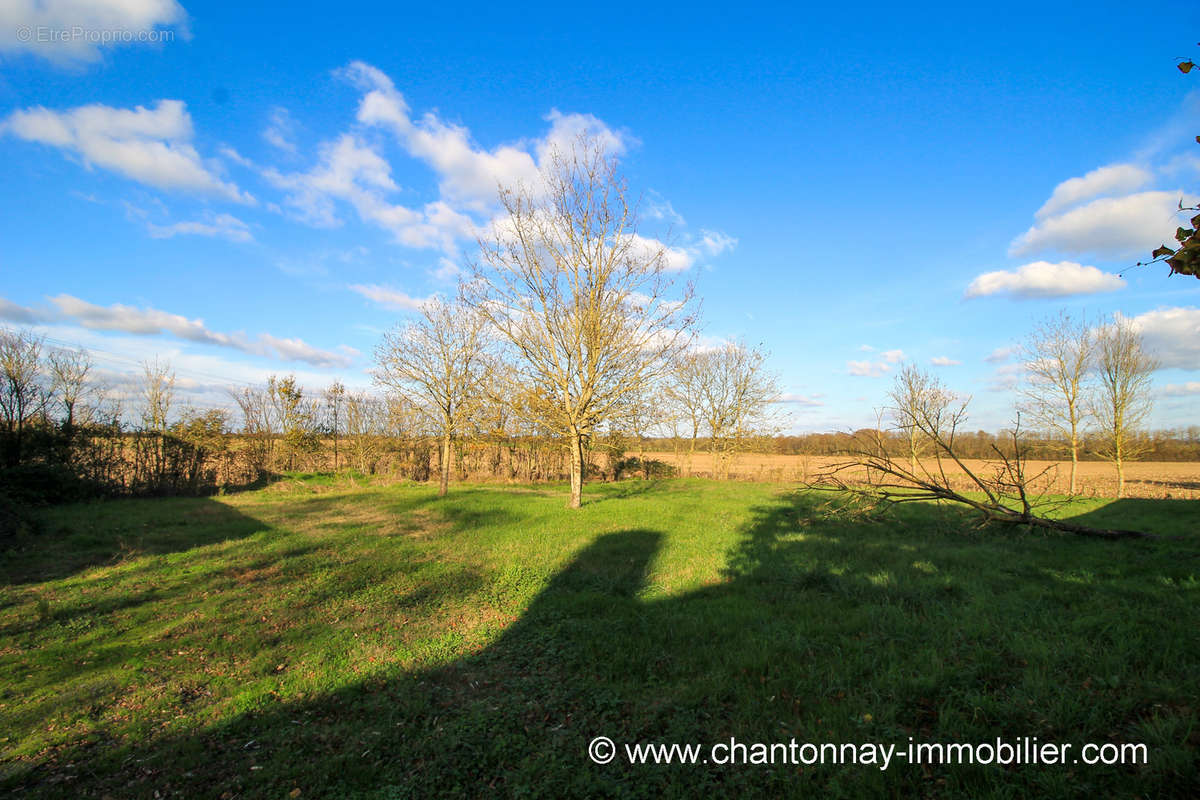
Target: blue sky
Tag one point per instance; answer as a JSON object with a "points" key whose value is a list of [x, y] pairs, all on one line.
{"points": [[247, 192]]}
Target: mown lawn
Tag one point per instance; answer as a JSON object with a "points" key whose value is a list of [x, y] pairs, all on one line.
{"points": [[322, 638]]}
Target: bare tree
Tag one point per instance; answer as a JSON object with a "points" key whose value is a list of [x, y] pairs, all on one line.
{"points": [[918, 400], [435, 362], [22, 396], [335, 398], [69, 373], [685, 394], [257, 426], [1122, 400], [366, 425], [157, 394], [586, 305], [1058, 358], [736, 397]]}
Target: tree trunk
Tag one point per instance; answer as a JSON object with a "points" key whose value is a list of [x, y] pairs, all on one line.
{"points": [[1120, 477], [1074, 463], [445, 483], [576, 469], [912, 450]]}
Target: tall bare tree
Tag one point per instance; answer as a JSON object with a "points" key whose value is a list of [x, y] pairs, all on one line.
{"points": [[366, 425], [1122, 401], [22, 396], [335, 398], [919, 401], [685, 395], [69, 378], [258, 426], [587, 306], [436, 363], [157, 394], [1058, 360], [736, 395]]}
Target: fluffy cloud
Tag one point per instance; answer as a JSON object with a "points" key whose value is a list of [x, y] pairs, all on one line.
{"points": [[1001, 354], [153, 322], [390, 298], [353, 172], [1115, 179], [944, 361], [224, 226], [866, 369], [1181, 389], [1005, 377], [674, 259], [12, 312], [1110, 227], [281, 130], [469, 175], [1044, 279], [658, 208], [803, 400], [149, 145], [73, 31], [1172, 335], [714, 243], [873, 369]]}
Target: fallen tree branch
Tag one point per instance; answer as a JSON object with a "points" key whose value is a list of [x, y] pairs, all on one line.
{"points": [[1007, 498]]}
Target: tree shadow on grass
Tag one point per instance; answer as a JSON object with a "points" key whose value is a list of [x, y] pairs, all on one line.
{"points": [[72, 538], [1165, 517], [824, 627]]}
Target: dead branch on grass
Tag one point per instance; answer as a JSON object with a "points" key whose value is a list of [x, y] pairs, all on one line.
{"points": [[871, 471]]}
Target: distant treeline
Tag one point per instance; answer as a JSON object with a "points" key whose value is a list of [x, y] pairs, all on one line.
{"points": [[1167, 445]]}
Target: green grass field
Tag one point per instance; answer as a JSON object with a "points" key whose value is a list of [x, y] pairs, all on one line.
{"points": [[322, 638]]}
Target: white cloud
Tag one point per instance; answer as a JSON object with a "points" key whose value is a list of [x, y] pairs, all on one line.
{"points": [[67, 31], [944, 361], [153, 322], [224, 226], [715, 242], [351, 171], [281, 130], [1044, 279], [658, 208], [17, 313], [202, 378], [148, 145], [1115, 179], [807, 401], [1110, 227], [674, 259], [236, 157], [867, 369], [469, 175], [1181, 389], [1005, 377], [1001, 354], [448, 270], [390, 298], [1172, 335], [873, 369]]}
